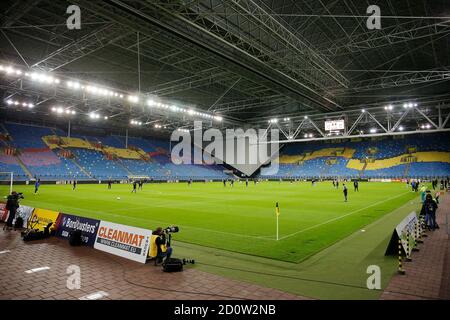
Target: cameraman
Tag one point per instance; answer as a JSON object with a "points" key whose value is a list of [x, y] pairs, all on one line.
{"points": [[160, 239], [12, 204]]}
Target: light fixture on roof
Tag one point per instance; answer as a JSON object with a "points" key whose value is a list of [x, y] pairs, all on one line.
{"points": [[11, 102], [286, 119], [94, 115], [73, 85], [133, 99], [373, 130], [400, 128], [306, 117], [363, 110], [218, 118]]}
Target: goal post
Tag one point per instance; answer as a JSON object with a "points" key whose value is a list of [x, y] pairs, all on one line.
{"points": [[7, 178]]}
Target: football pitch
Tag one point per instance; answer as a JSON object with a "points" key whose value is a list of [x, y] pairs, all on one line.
{"points": [[239, 219]]}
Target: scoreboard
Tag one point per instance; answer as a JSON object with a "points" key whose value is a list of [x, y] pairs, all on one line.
{"points": [[334, 125]]}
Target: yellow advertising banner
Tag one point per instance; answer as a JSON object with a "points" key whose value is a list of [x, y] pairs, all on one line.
{"points": [[41, 218]]}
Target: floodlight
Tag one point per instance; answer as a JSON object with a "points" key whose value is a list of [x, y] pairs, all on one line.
{"points": [[133, 99]]}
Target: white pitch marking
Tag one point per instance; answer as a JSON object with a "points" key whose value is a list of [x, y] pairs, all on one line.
{"points": [[94, 296], [340, 217], [37, 269]]}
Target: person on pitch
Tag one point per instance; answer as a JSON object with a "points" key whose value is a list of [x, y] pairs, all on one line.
{"points": [[134, 186], [109, 184], [36, 185], [356, 185], [74, 185], [345, 191]]}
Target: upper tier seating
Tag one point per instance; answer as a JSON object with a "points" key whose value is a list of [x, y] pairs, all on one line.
{"points": [[40, 154], [27, 136], [388, 157], [97, 166]]}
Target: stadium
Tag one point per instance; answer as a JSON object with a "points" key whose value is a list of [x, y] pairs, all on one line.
{"points": [[224, 150]]}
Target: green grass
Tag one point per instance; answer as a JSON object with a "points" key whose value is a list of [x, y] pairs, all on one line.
{"points": [[235, 219]]}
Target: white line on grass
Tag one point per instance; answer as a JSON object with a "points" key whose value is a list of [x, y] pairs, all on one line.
{"points": [[262, 237], [340, 217], [157, 221]]}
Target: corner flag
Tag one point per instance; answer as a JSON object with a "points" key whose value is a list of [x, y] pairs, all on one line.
{"points": [[277, 211]]}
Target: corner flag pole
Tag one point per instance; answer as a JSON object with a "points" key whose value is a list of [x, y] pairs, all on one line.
{"points": [[277, 211]]}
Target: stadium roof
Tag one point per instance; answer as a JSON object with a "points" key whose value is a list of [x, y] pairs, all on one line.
{"points": [[245, 61]]}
